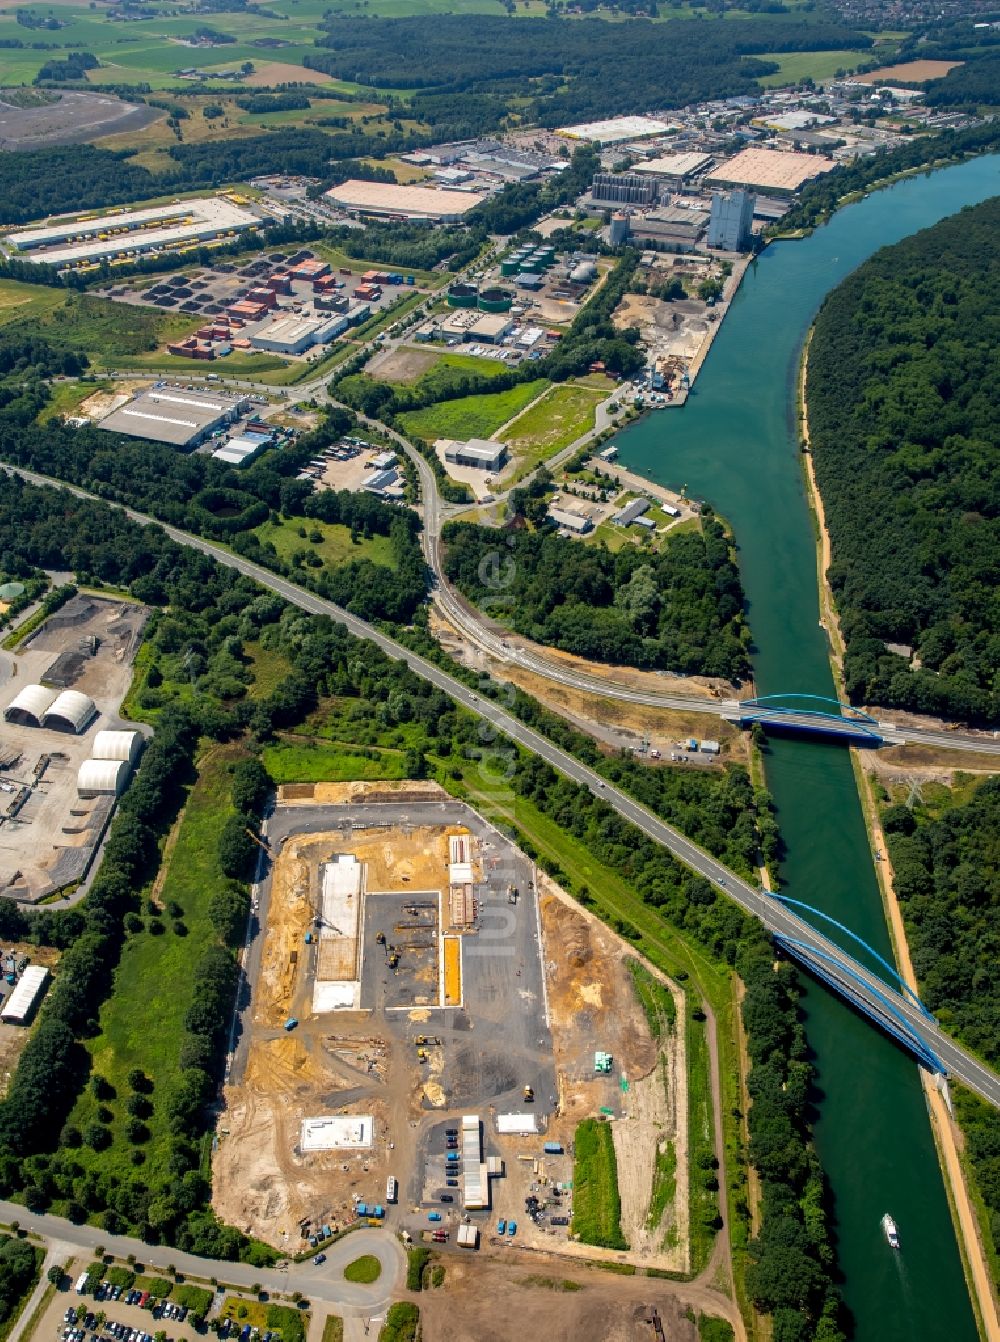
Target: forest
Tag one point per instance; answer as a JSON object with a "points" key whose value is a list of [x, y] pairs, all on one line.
{"points": [[578, 70], [946, 867], [680, 609], [904, 415], [971, 85]]}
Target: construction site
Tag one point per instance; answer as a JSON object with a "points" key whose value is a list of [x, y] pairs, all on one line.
{"points": [[423, 1018]]}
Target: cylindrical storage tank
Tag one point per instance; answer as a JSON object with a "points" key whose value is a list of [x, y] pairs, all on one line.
{"points": [[619, 229], [510, 266], [496, 299], [584, 273], [530, 263], [462, 295]]}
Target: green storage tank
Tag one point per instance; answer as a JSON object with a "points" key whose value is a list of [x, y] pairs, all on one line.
{"points": [[510, 266], [462, 296], [496, 299], [530, 263]]}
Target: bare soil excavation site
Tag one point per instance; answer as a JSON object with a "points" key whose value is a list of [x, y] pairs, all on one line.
{"points": [[424, 1012]]}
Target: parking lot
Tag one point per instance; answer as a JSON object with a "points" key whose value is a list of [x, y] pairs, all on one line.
{"points": [[125, 1320]]}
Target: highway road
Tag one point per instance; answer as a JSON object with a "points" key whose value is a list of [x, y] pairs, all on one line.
{"points": [[761, 905], [325, 1282]]}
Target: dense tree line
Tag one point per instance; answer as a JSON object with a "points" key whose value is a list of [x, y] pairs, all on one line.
{"points": [[18, 1269], [576, 71], [904, 411], [792, 1270], [678, 609], [820, 198], [947, 877], [946, 871]]}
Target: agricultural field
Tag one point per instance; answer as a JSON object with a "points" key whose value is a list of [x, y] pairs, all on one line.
{"points": [[473, 416], [557, 420], [817, 65]]}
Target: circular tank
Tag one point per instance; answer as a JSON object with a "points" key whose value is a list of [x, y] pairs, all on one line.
{"points": [[462, 296], [510, 266], [531, 263], [495, 299]]}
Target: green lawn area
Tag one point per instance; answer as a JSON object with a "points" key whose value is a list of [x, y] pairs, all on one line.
{"points": [[597, 1208], [556, 421], [290, 762], [796, 65], [331, 541], [363, 1270], [333, 1329], [152, 979], [27, 301], [473, 416]]}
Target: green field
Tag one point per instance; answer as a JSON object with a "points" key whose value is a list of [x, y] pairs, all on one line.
{"points": [[473, 416], [331, 541], [557, 420], [597, 1208], [818, 65], [291, 762], [153, 977], [27, 302]]}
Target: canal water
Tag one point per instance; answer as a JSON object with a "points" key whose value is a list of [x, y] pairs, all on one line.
{"points": [[735, 444]]}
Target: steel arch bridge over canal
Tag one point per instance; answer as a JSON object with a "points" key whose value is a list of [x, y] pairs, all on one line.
{"points": [[810, 715]]}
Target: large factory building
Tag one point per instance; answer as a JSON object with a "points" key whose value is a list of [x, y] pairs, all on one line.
{"points": [[384, 200]]}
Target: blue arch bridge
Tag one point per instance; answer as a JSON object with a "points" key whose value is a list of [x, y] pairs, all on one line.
{"points": [[808, 714]]}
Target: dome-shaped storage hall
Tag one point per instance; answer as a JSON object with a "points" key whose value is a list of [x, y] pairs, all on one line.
{"points": [[117, 745], [102, 778], [29, 706], [70, 711]]}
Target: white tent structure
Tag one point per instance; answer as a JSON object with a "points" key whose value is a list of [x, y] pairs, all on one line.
{"points": [[102, 778], [117, 745], [29, 706], [70, 711]]}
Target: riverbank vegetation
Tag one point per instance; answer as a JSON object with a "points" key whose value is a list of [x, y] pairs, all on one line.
{"points": [[946, 872], [679, 609], [904, 423]]}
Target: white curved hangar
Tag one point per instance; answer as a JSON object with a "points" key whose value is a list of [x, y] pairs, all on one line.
{"points": [[70, 711], [117, 745], [102, 778], [29, 706]]}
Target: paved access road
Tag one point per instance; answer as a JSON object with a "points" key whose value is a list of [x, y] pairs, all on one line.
{"points": [[324, 1283], [774, 916]]}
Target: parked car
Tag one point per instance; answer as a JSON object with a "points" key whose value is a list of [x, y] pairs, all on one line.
{"points": [[447, 1197], [320, 1258]]}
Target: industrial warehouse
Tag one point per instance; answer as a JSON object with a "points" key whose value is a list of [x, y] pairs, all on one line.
{"points": [[426, 1020], [384, 200], [65, 755], [132, 232], [175, 415]]}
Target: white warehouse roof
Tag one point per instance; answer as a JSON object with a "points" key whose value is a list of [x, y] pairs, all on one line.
{"points": [[117, 745], [102, 777], [29, 705], [70, 710], [22, 1000]]}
